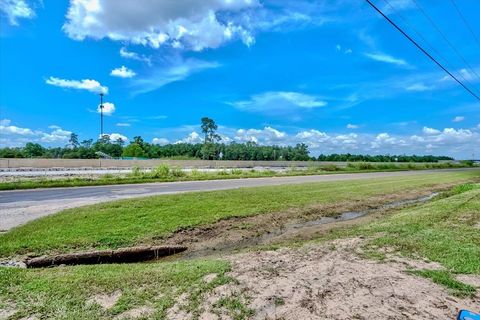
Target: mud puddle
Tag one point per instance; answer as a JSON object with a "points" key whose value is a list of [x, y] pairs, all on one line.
{"points": [[289, 230]]}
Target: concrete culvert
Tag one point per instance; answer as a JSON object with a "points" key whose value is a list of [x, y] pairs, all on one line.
{"points": [[124, 255]]}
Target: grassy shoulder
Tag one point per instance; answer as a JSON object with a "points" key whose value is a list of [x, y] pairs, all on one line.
{"points": [[446, 231], [166, 174], [71, 292], [134, 221]]}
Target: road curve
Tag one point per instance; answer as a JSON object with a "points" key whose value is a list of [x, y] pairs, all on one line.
{"points": [[20, 206]]}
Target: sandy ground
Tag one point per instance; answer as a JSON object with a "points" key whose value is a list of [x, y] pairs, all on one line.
{"points": [[331, 281]]}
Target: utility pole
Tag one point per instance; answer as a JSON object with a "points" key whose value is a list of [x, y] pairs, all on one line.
{"points": [[101, 115]]}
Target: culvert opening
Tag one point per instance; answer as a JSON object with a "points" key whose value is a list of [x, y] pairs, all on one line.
{"points": [[123, 255]]}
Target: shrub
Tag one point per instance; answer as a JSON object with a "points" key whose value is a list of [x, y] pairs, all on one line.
{"points": [[162, 171], [236, 171], [136, 172], [330, 167], [177, 172]]}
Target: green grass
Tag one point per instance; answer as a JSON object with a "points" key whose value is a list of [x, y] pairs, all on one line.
{"points": [[62, 293], [134, 221], [166, 174], [446, 279], [446, 231]]}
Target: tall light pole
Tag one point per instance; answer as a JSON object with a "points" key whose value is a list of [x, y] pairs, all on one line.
{"points": [[101, 115]]}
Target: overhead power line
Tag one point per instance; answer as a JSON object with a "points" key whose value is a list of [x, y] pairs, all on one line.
{"points": [[419, 34], [423, 50], [435, 26], [465, 22]]}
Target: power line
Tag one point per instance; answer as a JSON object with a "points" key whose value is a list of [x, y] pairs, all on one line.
{"points": [[465, 22], [423, 50], [419, 34], [445, 38]]}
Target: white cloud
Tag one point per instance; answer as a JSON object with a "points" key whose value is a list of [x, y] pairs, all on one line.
{"points": [[8, 129], [123, 124], [108, 108], [124, 53], [85, 84], [5, 122], [346, 51], [430, 131], [279, 102], [114, 137], [57, 135], [160, 141], [419, 86], [352, 126], [190, 24], [458, 119], [382, 57], [193, 137], [399, 5], [176, 71], [122, 72], [12, 135], [16, 9], [267, 135]]}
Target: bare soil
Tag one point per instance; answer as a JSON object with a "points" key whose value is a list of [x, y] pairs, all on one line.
{"points": [[330, 281]]}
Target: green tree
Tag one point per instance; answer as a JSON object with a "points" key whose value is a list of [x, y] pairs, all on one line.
{"points": [[209, 129], [134, 150], [74, 140], [33, 150]]}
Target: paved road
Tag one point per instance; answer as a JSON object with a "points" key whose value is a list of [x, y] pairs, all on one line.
{"points": [[18, 207]]}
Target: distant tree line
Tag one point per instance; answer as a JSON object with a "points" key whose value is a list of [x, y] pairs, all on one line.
{"points": [[210, 149], [380, 158]]}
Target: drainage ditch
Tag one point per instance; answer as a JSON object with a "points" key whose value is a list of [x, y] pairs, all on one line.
{"points": [[124, 255], [148, 253]]}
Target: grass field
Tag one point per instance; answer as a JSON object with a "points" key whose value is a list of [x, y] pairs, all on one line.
{"points": [[166, 174], [64, 293], [133, 221], [446, 230]]}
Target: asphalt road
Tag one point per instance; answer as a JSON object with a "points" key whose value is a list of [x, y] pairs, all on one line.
{"points": [[18, 207]]}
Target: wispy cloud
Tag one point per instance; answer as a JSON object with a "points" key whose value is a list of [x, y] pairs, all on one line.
{"points": [[458, 119], [279, 102], [85, 84], [382, 57], [125, 53], [177, 71], [16, 9], [419, 86]]}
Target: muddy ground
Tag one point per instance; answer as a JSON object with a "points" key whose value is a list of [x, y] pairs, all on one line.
{"points": [[232, 234]]}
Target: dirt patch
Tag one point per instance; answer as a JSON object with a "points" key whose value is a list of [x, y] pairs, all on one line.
{"points": [[106, 301], [140, 312], [317, 282], [7, 313], [209, 277], [242, 232], [473, 280]]}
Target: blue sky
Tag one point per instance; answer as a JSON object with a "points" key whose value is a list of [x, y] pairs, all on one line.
{"points": [[332, 74]]}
